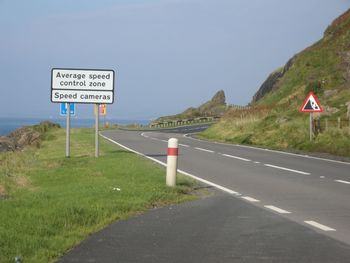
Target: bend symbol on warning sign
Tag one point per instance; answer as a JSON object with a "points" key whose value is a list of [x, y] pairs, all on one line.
{"points": [[311, 104]]}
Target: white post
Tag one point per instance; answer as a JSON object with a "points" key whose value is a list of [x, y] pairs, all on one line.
{"points": [[68, 131], [173, 151]]}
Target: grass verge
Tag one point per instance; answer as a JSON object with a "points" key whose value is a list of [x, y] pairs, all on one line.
{"points": [[281, 133], [49, 204]]}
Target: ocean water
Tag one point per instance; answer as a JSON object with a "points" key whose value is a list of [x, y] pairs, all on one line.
{"points": [[8, 125]]}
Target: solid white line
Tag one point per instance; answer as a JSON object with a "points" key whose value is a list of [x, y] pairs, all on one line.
{"points": [[250, 199], [222, 188], [275, 151], [320, 226], [342, 181], [204, 150], [184, 145], [276, 209], [286, 169], [236, 157]]}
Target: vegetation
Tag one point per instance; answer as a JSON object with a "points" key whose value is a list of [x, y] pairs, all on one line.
{"points": [[212, 108], [274, 119], [48, 203]]}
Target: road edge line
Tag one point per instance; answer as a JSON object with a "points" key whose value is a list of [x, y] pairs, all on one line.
{"points": [[222, 188]]}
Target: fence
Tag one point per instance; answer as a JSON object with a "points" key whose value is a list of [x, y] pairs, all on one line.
{"points": [[323, 124], [176, 123]]}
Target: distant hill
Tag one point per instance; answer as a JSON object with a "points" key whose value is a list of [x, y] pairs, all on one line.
{"points": [[273, 118], [215, 107]]}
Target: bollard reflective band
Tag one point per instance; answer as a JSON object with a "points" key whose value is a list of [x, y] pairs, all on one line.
{"points": [[173, 151]]}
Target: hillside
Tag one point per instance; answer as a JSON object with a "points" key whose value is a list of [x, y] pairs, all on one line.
{"points": [[212, 108], [273, 118]]}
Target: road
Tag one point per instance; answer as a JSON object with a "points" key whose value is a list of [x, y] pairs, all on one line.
{"points": [[309, 191]]}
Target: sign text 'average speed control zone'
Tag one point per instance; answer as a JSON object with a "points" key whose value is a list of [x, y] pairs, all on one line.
{"points": [[82, 86]]}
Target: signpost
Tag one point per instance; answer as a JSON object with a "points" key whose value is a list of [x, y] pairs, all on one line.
{"points": [[89, 86], [311, 105]]}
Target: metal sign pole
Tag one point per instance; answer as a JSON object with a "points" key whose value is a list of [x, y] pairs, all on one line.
{"points": [[311, 132], [97, 123], [68, 131]]}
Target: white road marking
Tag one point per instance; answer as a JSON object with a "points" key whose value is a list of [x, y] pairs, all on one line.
{"points": [[236, 157], [257, 162], [204, 150], [320, 226], [164, 140], [184, 145], [342, 181], [222, 188], [250, 199], [276, 209], [286, 169], [275, 151]]}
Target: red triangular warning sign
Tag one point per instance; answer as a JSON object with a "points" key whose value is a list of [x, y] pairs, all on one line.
{"points": [[311, 104]]}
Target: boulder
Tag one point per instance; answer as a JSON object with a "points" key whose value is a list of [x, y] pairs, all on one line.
{"points": [[25, 136], [7, 144]]}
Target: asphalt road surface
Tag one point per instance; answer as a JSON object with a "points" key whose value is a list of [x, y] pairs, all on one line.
{"points": [[273, 207]]}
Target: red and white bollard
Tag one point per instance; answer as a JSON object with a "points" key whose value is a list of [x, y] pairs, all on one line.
{"points": [[173, 152]]}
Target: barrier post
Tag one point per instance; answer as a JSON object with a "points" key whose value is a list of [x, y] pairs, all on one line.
{"points": [[173, 151]]}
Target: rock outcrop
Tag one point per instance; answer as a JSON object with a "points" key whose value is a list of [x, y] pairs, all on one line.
{"points": [[271, 82], [214, 107], [24, 136]]}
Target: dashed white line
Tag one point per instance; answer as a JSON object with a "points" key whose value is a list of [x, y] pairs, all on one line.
{"points": [[320, 226], [342, 181], [236, 157], [250, 199], [204, 150], [164, 140], [276, 209], [184, 145], [257, 162], [286, 169]]}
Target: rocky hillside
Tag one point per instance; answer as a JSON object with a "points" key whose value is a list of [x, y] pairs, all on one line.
{"points": [[274, 119], [24, 136], [212, 108]]}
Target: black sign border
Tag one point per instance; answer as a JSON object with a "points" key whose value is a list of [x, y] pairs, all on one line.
{"points": [[80, 69]]}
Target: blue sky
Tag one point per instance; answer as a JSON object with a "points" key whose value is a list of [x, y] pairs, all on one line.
{"points": [[168, 54]]}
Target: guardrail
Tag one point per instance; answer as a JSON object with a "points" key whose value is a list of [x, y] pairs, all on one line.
{"points": [[177, 123]]}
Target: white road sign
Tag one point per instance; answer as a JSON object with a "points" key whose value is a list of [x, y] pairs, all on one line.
{"points": [[82, 86]]}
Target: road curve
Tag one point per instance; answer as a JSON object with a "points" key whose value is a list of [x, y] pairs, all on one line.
{"points": [[311, 191]]}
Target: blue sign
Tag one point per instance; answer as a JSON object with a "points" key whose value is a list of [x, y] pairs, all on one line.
{"points": [[63, 108]]}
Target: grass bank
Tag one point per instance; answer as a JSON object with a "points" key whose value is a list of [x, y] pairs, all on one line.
{"points": [[280, 132], [49, 204]]}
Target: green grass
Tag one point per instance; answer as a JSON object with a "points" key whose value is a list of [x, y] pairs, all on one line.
{"points": [[49, 204], [280, 132], [275, 122]]}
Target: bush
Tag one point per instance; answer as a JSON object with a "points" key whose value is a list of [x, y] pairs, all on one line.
{"points": [[315, 87]]}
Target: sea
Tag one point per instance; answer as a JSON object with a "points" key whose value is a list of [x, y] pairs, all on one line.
{"points": [[7, 125]]}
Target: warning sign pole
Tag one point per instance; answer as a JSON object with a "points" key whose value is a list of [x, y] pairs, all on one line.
{"points": [[311, 105], [311, 124]]}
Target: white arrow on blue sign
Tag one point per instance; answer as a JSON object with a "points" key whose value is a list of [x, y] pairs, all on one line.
{"points": [[63, 107]]}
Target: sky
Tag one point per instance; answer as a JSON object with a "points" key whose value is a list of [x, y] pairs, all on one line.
{"points": [[168, 55]]}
